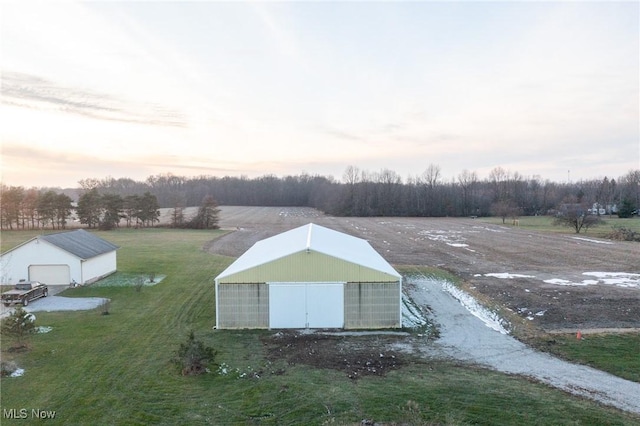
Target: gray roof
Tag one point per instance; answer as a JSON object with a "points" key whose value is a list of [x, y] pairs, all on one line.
{"points": [[80, 243]]}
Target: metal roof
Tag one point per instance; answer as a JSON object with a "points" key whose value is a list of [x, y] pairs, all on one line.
{"points": [[80, 243], [315, 238]]}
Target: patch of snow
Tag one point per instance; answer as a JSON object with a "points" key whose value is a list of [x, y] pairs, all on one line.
{"points": [[619, 279], [411, 316], [506, 275], [451, 238], [19, 372], [457, 245], [490, 319], [560, 281], [592, 241], [611, 274], [484, 228]]}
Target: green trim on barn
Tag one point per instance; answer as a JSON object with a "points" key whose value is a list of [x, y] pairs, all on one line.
{"points": [[308, 266]]}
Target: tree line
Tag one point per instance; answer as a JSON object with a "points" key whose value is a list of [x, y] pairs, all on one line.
{"points": [[33, 209], [359, 193], [36, 209]]}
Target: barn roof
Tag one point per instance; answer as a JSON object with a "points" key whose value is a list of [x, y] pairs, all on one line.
{"points": [[80, 243], [315, 238]]}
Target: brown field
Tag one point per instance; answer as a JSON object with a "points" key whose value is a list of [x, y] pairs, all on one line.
{"points": [[470, 249]]}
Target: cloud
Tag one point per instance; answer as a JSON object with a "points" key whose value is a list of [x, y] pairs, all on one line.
{"points": [[31, 91], [340, 134], [22, 166]]}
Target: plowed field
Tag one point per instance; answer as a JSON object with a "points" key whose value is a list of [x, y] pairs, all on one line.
{"points": [[554, 281]]}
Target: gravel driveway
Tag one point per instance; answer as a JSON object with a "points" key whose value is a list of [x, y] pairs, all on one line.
{"points": [[58, 303], [466, 337]]}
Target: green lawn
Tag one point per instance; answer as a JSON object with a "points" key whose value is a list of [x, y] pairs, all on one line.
{"points": [[618, 354], [114, 369]]}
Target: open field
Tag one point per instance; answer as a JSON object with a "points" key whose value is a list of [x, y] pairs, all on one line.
{"points": [[114, 369], [545, 223], [548, 281]]}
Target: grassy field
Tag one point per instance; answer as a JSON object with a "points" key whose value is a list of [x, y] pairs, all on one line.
{"points": [[115, 369], [545, 224]]}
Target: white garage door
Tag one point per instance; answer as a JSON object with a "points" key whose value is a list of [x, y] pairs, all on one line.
{"points": [[50, 274], [306, 305]]}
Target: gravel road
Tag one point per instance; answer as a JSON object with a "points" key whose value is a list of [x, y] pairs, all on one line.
{"points": [[465, 337]]}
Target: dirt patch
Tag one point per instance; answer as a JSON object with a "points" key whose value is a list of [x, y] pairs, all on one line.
{"points": [[353, 356], [476, 251]]}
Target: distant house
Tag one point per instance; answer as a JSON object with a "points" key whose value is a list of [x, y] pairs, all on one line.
{"points": [[309, 277], [60, 258], [572, 209]]}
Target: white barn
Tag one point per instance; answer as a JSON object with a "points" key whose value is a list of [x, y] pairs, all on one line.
{"points": [[61, 258], [309, 277]]}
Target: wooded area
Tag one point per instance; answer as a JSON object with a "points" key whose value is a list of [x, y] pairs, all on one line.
{"points": [[358, 193]]}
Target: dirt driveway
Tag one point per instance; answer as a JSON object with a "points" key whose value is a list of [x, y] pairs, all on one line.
{"points": [[539, 276]]}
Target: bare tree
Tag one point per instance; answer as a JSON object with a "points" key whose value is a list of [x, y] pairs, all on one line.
{"points": [[431, 180], [505, 209], [576, 216], [467, 182]]}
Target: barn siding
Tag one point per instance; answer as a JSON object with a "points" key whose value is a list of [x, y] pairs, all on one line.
{"points": [[372, 305], [243, 305], [15, 263], [308, 267], [98, 267]]}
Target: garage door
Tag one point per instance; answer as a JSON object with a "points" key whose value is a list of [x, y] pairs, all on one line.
{"points": [[306, 305], [50, 274]]}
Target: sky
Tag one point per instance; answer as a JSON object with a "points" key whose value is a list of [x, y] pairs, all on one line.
{"points": [[134, 89]]}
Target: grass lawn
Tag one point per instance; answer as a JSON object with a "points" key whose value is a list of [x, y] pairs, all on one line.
{"points": [[115, 369], [618, 354]]}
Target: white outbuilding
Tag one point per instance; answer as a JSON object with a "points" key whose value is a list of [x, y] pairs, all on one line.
{"points": [[309, 277], [60, 258]]}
